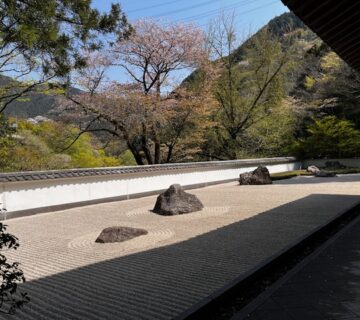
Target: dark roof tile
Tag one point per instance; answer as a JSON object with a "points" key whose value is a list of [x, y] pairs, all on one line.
{"points": [[61, 174]]}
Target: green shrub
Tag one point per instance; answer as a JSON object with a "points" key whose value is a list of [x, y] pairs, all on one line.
{"points": [[329, 137], [10, 274]]}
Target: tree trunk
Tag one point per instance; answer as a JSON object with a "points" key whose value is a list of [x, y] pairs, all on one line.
{"points": [[147, 152], [138, 158], [144, 146], [169, 154], [157, 152]]}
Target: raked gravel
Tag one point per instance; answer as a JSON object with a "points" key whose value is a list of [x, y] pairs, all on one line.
{"points": [[180, 261]]}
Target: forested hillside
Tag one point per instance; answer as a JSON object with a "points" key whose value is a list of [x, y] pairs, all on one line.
{"points": [[35, 103], [277, 93], [313, 88]]}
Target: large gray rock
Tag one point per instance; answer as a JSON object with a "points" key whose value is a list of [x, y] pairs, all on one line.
{"points": [[119, 234], [176, 201], [259, 176]]}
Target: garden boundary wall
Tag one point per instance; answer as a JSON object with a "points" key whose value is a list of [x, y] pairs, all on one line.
{"points": [[23, 193]]}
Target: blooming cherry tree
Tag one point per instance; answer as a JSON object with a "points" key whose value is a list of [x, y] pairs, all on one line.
{"points": [[154, 51], [152, 113]]}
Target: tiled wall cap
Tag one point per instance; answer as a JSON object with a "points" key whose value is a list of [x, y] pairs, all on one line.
{"points": [[61, 174]]}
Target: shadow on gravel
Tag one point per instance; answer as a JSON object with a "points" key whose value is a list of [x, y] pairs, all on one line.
{"points": [[328, 287], [311, 180], [164, 282]]}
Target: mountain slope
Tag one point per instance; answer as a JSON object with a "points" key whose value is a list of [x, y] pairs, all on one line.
{"points": [[287, 23], [32, 104]]}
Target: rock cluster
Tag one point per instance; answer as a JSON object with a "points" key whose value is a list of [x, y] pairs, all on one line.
{"points": [[259, 176], [176, 201], [119, 234], [319, 173]]}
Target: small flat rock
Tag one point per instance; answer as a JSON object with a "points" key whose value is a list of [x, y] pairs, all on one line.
{"points": [[176, 201], [259, 176], [119, 234], [324, 174]]}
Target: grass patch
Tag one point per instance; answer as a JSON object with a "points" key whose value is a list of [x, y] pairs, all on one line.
{"points": [[289, 174], [344, 171], [296, 173]]}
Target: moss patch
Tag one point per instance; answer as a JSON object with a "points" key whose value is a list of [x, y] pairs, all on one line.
{"points": [[296, 173]]}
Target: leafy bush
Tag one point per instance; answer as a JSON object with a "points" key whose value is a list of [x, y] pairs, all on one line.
{"points": [[127, 158], [10, 275], [329, 137], [48, 145]]}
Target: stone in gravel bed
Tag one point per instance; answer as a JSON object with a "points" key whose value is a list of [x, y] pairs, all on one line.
{"points": [[259, 176], [176, 201], [312, 169], [324, 174], [119, 234], [320, 173]]}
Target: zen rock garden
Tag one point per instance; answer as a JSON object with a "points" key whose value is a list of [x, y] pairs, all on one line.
{"points": [[173, 201], [176, 201]]}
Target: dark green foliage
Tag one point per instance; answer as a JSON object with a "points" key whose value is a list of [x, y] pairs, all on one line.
{"points": [[251, 99], [326, 85], [329, 137], [50, 38], [10, 276], [53, 30], [338, 89], [5, 128]]}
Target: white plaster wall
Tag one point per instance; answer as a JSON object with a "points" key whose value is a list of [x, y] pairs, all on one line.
{"points": [[16, 196]]}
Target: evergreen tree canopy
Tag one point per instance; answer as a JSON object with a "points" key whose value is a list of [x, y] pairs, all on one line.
{"points": [[49, 33]]}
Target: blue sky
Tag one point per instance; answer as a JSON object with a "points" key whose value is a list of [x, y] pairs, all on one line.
{"points": [[250, 14]]}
